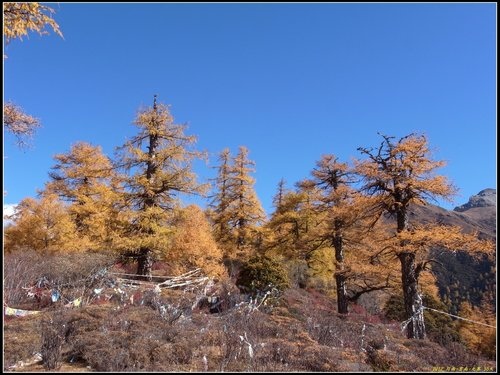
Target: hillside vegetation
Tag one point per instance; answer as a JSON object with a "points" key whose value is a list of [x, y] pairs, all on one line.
{"points": [[349, 237], [123, 324]]}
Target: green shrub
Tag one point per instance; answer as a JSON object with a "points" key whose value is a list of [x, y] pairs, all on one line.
{"points": [[261, 274]]}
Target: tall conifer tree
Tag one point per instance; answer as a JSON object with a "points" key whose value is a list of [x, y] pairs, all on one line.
{"points": [[158, 161], [84, 177], [237, 212], [399, 174]]}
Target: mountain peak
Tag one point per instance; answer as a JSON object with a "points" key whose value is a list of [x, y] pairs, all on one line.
{"points": [[485, 198]]}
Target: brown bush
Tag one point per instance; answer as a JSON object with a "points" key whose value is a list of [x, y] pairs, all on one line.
{"points": [[379, 359], [21, 269], [296, 336], [318, 358], [130, 339], [53, 331], [332, 331], [22, 339], [229, 295], [180, 353], [277, 355], [70, 274], [458, 355]]}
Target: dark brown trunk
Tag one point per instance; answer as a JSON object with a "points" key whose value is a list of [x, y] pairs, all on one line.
{"points": [[412, 299], [145, 263], [342, 300], [402, 219], [296, 230], [145, 258], [340, 278]]}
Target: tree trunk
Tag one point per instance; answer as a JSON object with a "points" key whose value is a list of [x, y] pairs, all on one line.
{"points": [[241, 232], [402, 218], [412, 300], [145, 263], [342, 300], [340, 279], [145, 258], [409, 277]]}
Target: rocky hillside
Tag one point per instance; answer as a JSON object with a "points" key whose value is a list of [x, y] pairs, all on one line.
{"points": [[478, 214], [463, 278], [485, 198], [481, 209]]}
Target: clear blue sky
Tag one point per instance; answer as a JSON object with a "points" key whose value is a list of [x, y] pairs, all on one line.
{"points": [[290, 81]]}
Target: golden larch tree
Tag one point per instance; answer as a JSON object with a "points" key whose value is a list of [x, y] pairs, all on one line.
{"points": [[247, 209], [479, 330], [158, 167], [85, 178], [193, 245], [42, 225], [280, 193], [344, 218], [19, 124], [293, 232], [21, 18], [287, 227], [400, 173], [221, 199], [236, 208]]}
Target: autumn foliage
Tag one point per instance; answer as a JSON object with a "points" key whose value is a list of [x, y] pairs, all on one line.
{"points": [[193, 244], [346, 230], [20, 18]]}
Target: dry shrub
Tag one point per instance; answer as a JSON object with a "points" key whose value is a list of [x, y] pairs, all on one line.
{"points": [[21, 268], [458, 355], [108, 352], [70, 273], [359, 313], [74, 270], [277, 355], [180, 353], [170, 308], [425, 354], [235, 356], [240, 336], [131, 339], [254, 322], [53, 331], [140, 338], [255, 341], [262, 326], [229, 295], [334, 332], [317, 358], [21, 339], [379, 359]]}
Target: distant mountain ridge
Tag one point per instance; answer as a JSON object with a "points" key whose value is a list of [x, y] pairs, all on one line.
{"points": [[478, 214], [463, 277], [485, 198], [482, 209]]}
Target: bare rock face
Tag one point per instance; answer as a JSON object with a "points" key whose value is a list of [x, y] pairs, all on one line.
{"points": [[485, 198], [481, 209]]}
